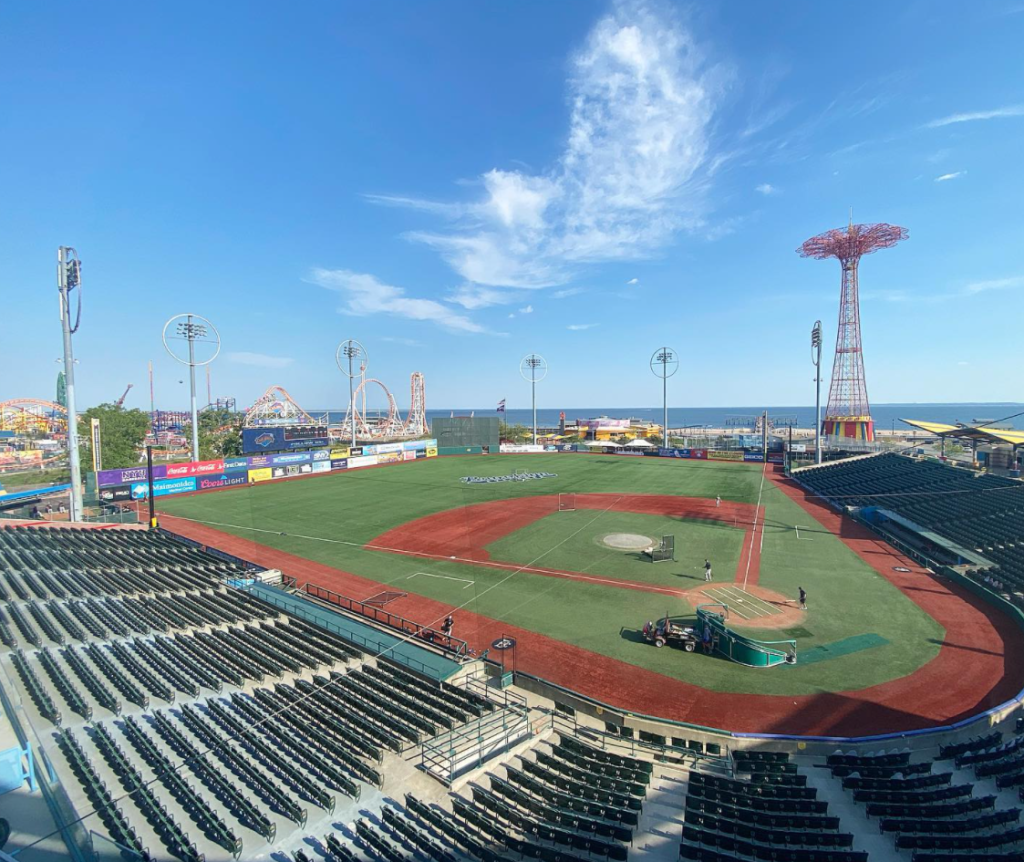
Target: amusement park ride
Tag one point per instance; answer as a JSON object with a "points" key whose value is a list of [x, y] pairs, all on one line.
{"points": [[277, 407], [26, 416]]}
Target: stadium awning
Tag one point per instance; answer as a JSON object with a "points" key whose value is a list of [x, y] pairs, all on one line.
{"points": [[602, 443], [639, 443], [968, 432]]}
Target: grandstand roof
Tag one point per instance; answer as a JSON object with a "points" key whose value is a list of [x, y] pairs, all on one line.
{"points": [[990, 435]]}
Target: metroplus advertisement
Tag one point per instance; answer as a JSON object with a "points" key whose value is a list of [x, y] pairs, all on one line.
{"points": [[194, 468]]}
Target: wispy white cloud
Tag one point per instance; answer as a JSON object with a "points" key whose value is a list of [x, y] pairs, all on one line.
{"points": [[963, 362], [766, 189], [259, 360], [995, 284], [633, 281], [578, 327], [527, 310], [364, 295], [945, 178], [566, 292], [632, 172], [974, 116], [405, 342]]}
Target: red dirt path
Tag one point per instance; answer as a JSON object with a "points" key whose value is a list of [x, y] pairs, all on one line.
{"points": [[971, 672], [464, 533]]}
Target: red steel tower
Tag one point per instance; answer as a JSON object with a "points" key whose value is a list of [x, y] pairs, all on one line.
{"points": [[848, 413]]}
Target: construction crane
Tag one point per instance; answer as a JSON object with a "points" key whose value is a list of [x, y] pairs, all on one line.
{"points": [[120, 401]]}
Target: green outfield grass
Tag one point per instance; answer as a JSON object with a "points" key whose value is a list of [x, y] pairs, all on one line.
{"points": [[860, 629]]}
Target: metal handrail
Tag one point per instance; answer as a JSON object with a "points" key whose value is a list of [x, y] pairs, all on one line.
{"points": [[432, 636]]}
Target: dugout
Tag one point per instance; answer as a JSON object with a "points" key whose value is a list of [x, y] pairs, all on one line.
{"points": [[461, 435]]}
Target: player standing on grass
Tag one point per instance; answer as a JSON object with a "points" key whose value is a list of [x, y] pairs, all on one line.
{"points": [[707, 570], [803, 599]]}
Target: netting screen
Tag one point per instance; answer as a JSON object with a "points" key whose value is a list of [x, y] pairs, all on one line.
{"points": [[466, 431]]}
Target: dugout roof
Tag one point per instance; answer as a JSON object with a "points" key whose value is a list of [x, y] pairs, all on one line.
{"points": [[969, 432]]}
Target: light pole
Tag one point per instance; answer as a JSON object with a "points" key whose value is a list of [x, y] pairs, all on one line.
{"points": [[816, 359], [347, 352], [664, 364], [192, 328], [534, 368], [69, 277]]}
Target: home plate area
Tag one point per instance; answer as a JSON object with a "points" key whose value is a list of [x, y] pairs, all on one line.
{"points": [[753, 606]]}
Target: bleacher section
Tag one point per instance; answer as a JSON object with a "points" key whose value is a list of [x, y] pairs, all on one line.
{"points": [[230, 723], [979, 512]]}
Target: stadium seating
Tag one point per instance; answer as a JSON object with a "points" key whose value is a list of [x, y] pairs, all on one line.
{"points": [[981, 512]]}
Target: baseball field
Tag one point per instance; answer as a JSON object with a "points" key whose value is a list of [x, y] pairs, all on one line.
{"points": [[557, 559]]}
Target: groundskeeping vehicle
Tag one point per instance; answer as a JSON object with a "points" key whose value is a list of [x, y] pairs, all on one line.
{"points": [[664, 631]]}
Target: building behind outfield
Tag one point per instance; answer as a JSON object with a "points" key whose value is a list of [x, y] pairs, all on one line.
{"points": [[458, 435]]}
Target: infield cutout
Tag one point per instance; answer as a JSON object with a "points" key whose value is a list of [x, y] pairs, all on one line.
{"points": [[627, 541]]}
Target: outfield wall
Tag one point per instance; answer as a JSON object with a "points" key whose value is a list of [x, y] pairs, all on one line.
{"points": [[132, 483]]}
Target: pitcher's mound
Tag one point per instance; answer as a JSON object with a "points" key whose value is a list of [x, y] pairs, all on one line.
{"points": [[627, 541]]}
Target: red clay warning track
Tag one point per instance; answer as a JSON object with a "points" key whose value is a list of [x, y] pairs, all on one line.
{"points": [[972, 672]]}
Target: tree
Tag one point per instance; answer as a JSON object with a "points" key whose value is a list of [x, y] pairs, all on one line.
{"points": [[220, 434], [122, 434], [516, 433]]}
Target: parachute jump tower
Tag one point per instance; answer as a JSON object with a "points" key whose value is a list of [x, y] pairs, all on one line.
{"points": [[848, 413]]}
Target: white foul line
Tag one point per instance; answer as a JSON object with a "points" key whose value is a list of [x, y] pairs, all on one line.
{"points": [[466, 581]]}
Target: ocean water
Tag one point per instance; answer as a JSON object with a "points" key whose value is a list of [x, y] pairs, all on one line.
{"points": [[885, 415]]}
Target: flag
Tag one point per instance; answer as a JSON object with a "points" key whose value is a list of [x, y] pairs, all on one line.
{"points": [[501, 406]]}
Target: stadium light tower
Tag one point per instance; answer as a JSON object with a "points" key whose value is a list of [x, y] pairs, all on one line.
{"points": [[816, 359], [664, 364], [347, 352], [848, 413], [192, 329], [69, 277], [534, 368]]}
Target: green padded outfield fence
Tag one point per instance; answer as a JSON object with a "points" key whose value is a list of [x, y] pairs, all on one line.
{"points": [[740, 649]]}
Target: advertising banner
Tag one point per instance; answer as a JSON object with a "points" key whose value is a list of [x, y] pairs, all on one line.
{"points": [[194, 468], [389, 457], [97, 445], [127, 475], [339, 452], [626, 451], [115, 494], [521, 447], [420, 453], [356, 451], [431, 451], [291, 458], [339, 463], [753, 456], [290, 470], [162, 488], [277, 439], [321, 455], [260, 474], [236, 464], [409, 455], [224, 480], [699, 453], [384, 448], [321, 466], [362, 461], [776, 458], [726, 454]]}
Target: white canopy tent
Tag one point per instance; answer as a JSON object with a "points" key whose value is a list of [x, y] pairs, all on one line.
{"points": [[639, 443], [601, 443]]}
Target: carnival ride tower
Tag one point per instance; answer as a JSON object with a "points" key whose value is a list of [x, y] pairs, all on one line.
{"points": [[848, 413]]}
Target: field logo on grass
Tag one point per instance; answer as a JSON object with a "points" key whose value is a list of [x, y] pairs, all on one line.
{"points": [[514, 477]]}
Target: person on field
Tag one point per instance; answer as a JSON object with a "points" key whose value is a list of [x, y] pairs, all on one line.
{"points": [[803, 599], [447, 625], [718, 502], [707, 570]]}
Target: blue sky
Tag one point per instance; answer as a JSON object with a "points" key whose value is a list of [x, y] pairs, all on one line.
{"points": [[457, 184]]}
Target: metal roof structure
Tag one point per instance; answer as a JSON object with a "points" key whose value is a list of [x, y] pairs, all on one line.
{"points": [[969, 432]]}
